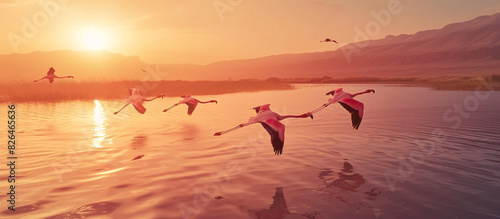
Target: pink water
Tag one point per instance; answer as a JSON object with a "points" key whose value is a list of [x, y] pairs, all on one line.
{"points": [[76, 159]]}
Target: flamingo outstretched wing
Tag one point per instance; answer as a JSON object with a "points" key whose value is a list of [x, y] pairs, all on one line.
{"points": [[139, 107], [355, 108], [277, 132], [191, 107]]}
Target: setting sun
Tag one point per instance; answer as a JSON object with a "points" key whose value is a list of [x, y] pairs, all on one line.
{"points": [[95, 39]]}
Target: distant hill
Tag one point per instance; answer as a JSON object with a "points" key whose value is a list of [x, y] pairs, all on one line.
{"points": [[466, 48], [83, 65]]}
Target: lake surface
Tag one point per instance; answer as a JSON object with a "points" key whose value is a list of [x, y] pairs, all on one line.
{"points": [[410, 158]]}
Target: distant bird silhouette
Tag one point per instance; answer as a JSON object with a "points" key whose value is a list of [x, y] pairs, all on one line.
{"points": [[51, 76], [346, 100], [137, 101], [270, 121], [328, 40], [191, 102], [143, 70]]}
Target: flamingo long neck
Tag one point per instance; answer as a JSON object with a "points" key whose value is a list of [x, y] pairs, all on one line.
{"points": [[151, 98], [210, 101], [290, 116], [364, 92]]}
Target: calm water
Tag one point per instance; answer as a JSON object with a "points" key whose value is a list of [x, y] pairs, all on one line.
{"points": [[76, 159]]}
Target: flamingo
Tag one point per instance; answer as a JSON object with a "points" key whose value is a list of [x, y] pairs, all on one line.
{"points": [[270, 121], [346, 100], [51, 76], [328, 40], [191, 102], [136, 100]]}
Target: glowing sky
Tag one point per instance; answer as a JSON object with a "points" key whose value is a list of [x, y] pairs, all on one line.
{"points": [[205, 31]]}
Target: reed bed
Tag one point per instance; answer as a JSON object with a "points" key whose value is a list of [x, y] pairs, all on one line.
{"points": [[438, 82], [62, 90]]}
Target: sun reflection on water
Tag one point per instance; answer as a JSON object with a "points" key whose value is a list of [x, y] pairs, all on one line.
{"points": [[99, 125]]}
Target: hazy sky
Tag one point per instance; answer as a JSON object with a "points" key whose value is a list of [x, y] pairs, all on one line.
{"points": [[205, 31]]}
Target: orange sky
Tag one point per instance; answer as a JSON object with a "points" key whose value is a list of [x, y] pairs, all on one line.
{"points": [[205, 31]]}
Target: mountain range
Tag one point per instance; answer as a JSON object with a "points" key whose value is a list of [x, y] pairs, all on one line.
{"points": [[465, 48]]}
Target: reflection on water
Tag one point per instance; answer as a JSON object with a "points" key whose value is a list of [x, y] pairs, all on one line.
{"points": [[138, 141], [86, 211], [346, 180], [99, 125], [159, 162], [277, 210]]}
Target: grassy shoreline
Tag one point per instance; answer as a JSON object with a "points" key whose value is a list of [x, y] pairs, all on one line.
{"points": [[69, 90], [438, 82]]}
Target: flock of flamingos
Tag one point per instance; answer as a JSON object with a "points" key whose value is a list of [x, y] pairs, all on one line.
{"points": [[265, 116]]}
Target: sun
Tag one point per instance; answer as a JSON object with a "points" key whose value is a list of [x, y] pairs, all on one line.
{"points": [[95, 39]]}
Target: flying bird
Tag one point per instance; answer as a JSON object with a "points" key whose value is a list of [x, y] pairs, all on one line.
{"points": [[51, 76], [270, 121], [345, 99], [137, 101], [328, 40], [191, 102]]}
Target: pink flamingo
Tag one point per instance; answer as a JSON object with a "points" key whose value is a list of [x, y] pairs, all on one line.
{"points": [[270, 121], [137, 101], [191, 102], [346, 100], [51, 76]]}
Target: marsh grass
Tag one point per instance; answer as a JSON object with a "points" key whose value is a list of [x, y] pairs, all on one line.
{"points": [[67, 90], [438, 82], [62, 90]]}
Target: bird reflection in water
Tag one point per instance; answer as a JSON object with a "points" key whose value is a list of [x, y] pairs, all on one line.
{"points": [[279, 209], [139, 141], [347, 180], [93, 210]]}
